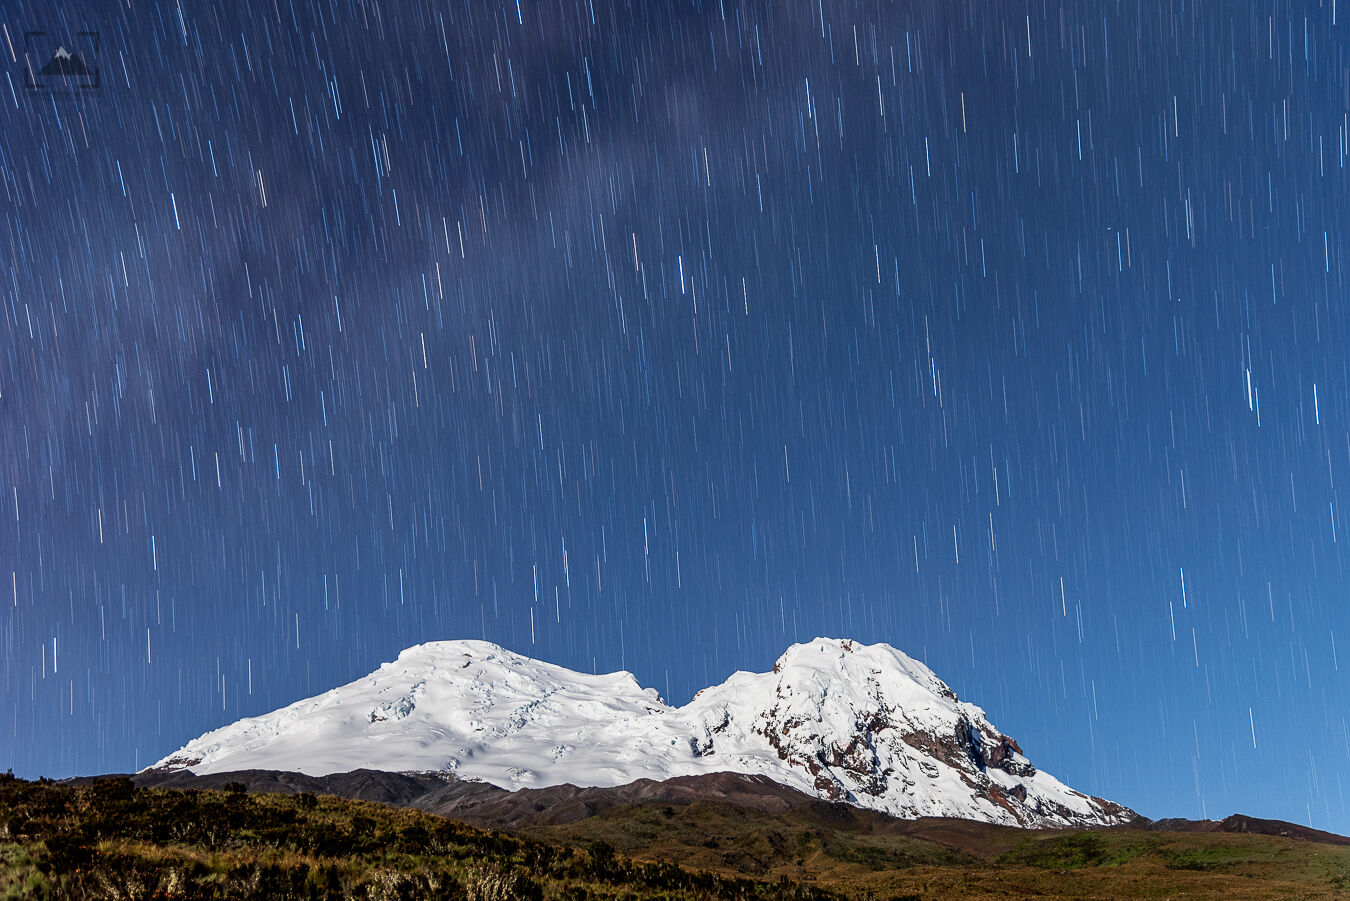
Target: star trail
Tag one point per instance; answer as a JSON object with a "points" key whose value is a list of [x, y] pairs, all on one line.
{"points": [[659, 336]]}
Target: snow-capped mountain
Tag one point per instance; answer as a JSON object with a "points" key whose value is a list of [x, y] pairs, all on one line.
{"points": [[864, 724]]}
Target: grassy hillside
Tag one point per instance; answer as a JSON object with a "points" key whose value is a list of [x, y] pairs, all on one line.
{"points": [[863, 855], [111, 839]]}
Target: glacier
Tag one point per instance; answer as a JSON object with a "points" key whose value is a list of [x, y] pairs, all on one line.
{"points": [[861, 724]]}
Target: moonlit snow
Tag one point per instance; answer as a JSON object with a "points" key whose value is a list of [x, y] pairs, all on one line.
{"points": [[863, 724]]}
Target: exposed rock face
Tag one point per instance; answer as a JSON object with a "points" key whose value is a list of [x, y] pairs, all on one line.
{"points": [[865, 725], [906, 746]]}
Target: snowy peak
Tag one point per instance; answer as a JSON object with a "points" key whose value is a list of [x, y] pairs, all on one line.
{"points": [[871, 726], [483, 659], [863, 724], [838, 671]]}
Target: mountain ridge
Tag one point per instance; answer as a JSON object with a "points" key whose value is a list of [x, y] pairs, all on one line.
{"points": [[488, 806], [862, 724]]}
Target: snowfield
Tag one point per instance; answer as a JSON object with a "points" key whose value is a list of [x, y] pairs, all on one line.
{"points": [[864, 724]]}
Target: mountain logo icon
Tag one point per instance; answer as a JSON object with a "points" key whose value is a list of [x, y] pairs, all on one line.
{"points": [[71, 66], [65, 64]]}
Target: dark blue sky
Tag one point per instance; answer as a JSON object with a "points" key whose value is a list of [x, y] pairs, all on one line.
{"points": [[660, 337]]}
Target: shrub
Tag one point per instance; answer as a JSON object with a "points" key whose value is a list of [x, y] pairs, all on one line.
{"points": [[491, 884], [66, 852]]}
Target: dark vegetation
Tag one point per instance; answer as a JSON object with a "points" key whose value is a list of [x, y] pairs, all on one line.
{"points": [[865, 855], [111, 839]]}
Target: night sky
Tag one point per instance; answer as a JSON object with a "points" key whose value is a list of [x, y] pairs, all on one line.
{"points": [[660, 336]]}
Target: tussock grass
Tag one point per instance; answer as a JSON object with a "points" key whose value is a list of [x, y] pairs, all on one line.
{"points": [[111, 839]]}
